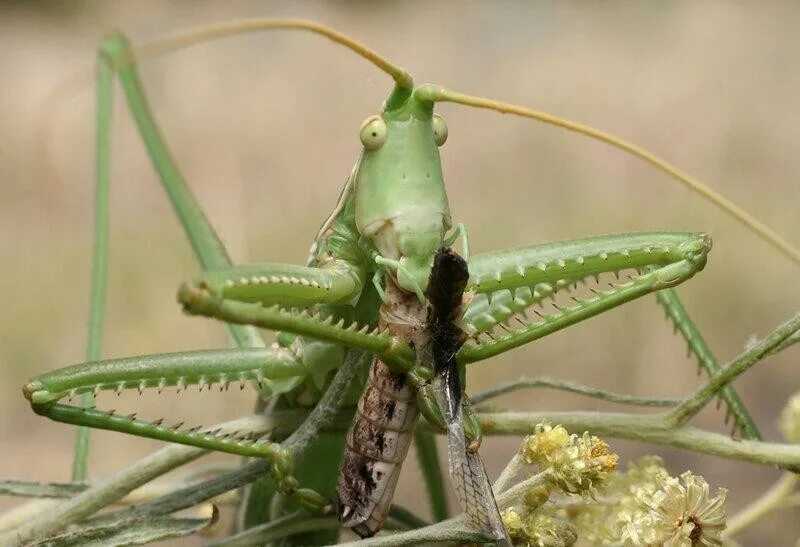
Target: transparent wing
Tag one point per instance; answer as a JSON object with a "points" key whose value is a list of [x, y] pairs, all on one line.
{"points": [[445, 293], [469, 478]]}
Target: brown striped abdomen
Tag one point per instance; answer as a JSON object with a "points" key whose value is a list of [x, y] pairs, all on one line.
{"points": [[377, 444]]}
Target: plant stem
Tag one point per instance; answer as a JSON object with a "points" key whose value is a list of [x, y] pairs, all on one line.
{"points": [[455, 529], [117, 486], [509, 473], [769, 501], [651, 429], [695, 402], [573, 387], [288, 525]]}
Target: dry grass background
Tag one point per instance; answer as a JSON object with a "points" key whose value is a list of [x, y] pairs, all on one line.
{"points": [[265, 127]]}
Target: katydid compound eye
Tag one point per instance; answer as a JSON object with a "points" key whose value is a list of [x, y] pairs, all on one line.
{"points": [[373, 133], [439, 130]]}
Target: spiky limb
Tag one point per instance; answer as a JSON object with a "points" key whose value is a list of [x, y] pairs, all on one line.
{"points": [[285, 284], [673, 258], [316, 324], [734, 407]]}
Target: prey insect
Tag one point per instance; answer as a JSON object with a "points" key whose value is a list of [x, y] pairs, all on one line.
{"points": [[366, 288], [449, 278], [380, 435]]}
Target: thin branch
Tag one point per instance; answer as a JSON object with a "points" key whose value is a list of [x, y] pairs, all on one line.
{"points": [[117, 486], [573, 387], [329, 405], [403, 518], [770, 500], [455, 529], [694, 403], [653, 429], [509, 473], [288, 525], [37, 490], [792, 340]]}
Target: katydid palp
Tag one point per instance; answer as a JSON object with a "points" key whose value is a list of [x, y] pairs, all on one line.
{"points": [[391, 218]]}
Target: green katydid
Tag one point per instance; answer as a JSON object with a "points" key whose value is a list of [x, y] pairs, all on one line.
{"points": [[392, 217]]}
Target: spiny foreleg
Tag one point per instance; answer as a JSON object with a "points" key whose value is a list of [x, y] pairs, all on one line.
{"points": [[205, 369]]}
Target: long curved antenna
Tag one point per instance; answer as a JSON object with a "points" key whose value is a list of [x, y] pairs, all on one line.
{"points": [[207, 33], [434, 93]]}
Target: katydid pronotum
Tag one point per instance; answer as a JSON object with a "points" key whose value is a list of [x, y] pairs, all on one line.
{"points": [[392, 217]]}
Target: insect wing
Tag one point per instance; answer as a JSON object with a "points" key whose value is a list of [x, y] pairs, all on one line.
{"points": [[449, 276], [469, 478]]}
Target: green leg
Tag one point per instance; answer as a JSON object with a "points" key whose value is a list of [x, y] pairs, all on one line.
{"points": [[662, 260], [270, 368], [742, 422], [99, 281], [284, 284], [116, 57], [519, 280], [317, 324]]}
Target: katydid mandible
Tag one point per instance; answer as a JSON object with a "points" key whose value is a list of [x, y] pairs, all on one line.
{"points": [[375, 249]]}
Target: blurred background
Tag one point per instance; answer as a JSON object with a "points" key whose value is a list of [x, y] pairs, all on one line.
{"points": [[266, 129]]}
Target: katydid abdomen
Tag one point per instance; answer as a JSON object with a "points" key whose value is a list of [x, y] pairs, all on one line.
{"points": [[377, 445], [381, 432]]}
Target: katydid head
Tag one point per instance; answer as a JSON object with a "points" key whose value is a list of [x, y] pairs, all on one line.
{"points": [[401, 204]]}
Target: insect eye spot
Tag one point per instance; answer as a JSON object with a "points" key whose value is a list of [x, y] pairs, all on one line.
{"points": [[439, 130], [373, 133]]}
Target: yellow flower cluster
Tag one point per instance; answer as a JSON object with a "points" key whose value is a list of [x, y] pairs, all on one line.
{"points": [[642, 506], [579, 463], [538, 529], [575, 465]]}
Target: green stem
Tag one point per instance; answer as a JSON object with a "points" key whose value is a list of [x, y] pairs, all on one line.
{"points": [[792, 340], [456, 529], [291, 524], [769, 501], [694, 403], [509, 473], [117, 486], [573, 387]]}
